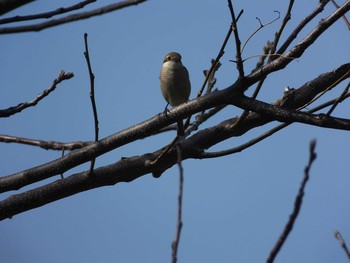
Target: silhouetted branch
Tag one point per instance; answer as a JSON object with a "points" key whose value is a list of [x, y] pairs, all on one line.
{"points": [[265, 135], [47, 145], [302, 24], [202, 139], [92, 94], [297, 206], [9, 5], [239, 61], [339, 100], [175, 244], [342, 243], [50, 14], [279, 32], [70, 18], [16, 109]]}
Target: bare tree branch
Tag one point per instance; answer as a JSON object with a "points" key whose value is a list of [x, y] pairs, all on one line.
{"points": [[92, 95], [70, 18], [50, 14], [47, 145], [176, 242], [302, 24], [297, 206], [127, 169], [264, 135], [16, 109], [201, 140], [342, 243], [9, 5]]}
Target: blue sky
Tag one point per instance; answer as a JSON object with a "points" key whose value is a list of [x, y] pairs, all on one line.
{"points": [[235, 207]]}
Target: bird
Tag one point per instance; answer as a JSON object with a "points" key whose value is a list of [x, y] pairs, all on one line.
{"points": [[175, 84]]}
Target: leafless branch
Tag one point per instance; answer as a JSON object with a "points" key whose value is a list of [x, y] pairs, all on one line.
{"points": [[278, 34], [266, 134], [9, 5], [16, 109], [339, 100], [128, 169], [237, 40], [47, 145], [297, 206], [344, 17], [70, 18], [92, 94], [302, 24], [258, 29], [201, 140], [125, 170], [342, 243], [175, 244], [50, 14]]}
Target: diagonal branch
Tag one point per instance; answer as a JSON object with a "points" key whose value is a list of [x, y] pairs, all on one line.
{"points": [[50, 14], [297, 206], [71, 18], [203, 139], [9, 5], [16, 109]]}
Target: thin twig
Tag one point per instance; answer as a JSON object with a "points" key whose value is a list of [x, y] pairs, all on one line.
{"points": [[175, 244], [70, 18], [58, 11], [302, 24], [344, 17], [16, 109], [342, 243], [339, 100], [297, 206], [283, 25], [237, 40], [92, 95], [47, 145], [257, 30]]}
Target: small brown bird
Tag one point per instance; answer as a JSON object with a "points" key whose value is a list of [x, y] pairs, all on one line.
{"points": [[175, 84]]}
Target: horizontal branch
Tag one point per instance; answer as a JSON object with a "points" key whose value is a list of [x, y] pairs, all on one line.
{"points": [[16, 109], [70, 18]]}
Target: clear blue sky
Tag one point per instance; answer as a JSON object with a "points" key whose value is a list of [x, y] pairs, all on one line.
{"points": [[235, 207]]}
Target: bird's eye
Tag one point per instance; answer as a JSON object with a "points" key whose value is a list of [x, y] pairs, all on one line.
{"points": [[168, 57]]}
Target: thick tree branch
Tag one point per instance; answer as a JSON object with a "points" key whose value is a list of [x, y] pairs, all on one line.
{"points": [[209, 137], [128, 169]]}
